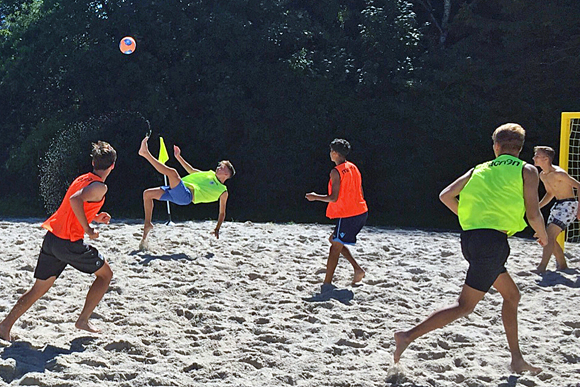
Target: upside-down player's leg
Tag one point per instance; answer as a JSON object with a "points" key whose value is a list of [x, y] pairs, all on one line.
{"points": [[171, 173]]}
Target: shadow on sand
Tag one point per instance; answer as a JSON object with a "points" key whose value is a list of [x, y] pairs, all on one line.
{"points": [[30, 359], [561, 277], [329, 292]]}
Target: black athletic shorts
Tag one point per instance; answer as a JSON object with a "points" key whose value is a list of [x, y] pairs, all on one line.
{"points": [[56, 253], [487, 252], [347, 229]]}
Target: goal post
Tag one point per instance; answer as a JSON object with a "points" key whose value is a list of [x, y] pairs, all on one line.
{"points": [[570, 162]]}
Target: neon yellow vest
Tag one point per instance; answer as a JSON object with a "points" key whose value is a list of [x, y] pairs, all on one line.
{"points": [[493, 198], [205, 186]]}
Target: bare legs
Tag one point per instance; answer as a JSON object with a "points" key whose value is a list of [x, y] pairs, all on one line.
{"points": [[154, 193], [337, 248], [24, 303], [509, 314], [552, 248], [467, 301], [40, 287], [94, 296], [468, 298]]}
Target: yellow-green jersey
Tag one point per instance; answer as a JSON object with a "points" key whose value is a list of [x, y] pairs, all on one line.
{"points": [[205, 186], [493, 198]]}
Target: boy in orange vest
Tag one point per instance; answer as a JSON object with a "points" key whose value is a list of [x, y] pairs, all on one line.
{"points": [[346, 203], [63, 243]]}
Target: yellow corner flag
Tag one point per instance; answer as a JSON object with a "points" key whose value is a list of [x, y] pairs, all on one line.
{"points": [[163, 156]]}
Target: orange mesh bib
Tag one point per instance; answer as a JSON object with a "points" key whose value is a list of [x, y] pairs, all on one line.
{"points": [[350, 197], [64, 223]]}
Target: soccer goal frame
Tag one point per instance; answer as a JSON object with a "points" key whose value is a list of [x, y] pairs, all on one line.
{"points": [[570, 162]]}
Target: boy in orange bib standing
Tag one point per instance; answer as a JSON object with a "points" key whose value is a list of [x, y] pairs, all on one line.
{"points": [[346, 203], [63, 244]]}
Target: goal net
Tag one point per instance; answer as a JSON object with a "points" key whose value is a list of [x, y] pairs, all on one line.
{"points": [[570, 161]]}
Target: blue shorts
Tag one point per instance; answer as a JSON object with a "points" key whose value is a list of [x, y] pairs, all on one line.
{"points": [[347, 229], [179, 195]]}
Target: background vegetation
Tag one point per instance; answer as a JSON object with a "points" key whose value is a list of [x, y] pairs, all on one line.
{"points": [[417, 87]]}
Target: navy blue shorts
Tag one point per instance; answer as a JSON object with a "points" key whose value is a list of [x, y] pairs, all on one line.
{"points": [[56, 253], [347, 229], [487, 252], [179, 195]]}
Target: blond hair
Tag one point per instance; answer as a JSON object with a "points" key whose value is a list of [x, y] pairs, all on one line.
{"points": [[510, 137], [548, 151]]}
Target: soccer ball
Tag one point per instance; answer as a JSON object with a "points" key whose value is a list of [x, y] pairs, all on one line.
{"points": [[127, 45]]}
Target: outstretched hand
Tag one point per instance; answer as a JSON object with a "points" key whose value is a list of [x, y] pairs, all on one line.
{"points": [[216, 232], [176, 150], [311, 196]]}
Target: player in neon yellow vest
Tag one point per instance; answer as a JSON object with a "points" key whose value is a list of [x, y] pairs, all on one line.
{"points": [[493, 198], [197, 187]]}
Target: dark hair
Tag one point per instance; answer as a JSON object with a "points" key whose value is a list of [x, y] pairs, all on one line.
{"points": [[510, 137], [229, 165], [548, 151], [103, 155], [340, 146]]}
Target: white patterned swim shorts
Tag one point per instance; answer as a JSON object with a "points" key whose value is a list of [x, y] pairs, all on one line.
{"points": [[563, 212]]}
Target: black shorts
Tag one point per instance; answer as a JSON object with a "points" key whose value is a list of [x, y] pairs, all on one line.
{"points": [[487, 252], [347, 229], [56, 253]]}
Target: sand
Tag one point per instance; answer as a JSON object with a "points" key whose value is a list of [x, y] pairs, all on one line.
{"points": [[198, 311]]}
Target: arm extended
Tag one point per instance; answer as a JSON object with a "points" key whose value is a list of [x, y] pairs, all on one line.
{"points": [[222, 214], [333, 197], [184, 164]]}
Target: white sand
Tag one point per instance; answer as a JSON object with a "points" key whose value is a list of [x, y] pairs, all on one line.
{"points": [[196, 311]]}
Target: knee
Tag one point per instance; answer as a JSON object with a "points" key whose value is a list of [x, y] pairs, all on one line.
{"points": [[105, 273], [465, 308], [513, 297], [150, 194]]}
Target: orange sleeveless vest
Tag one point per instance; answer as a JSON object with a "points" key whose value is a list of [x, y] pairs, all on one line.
{"points": [[64, 223], [350, 197]]}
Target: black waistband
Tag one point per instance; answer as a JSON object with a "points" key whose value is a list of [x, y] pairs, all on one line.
{"points": [[566, 200]]}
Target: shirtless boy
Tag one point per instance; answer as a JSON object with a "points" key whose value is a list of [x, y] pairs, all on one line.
{"points": [[560, 185], [493, 198], [197, 187]]}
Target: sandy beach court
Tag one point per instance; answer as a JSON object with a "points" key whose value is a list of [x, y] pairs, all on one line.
{"points": [[200, 311]]}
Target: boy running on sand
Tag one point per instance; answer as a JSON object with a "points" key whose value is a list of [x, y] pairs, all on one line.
{"points": [[346, 203], [560, 185], [63, 243], [493, 198], [197, 187]]}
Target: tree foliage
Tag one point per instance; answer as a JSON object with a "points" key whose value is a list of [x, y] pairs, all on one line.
{"points": [[416, 86]]}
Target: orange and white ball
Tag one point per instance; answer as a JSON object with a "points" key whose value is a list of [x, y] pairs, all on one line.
{"points": [[127, 45]]}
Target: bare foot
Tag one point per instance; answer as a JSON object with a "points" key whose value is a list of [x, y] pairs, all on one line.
{"points": [[358, 276], [5, 333], [146, 228], [86, 326], [401, 343], [539, 270], [143, 245], [144, 149], [521, 365], [562, 266]]}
